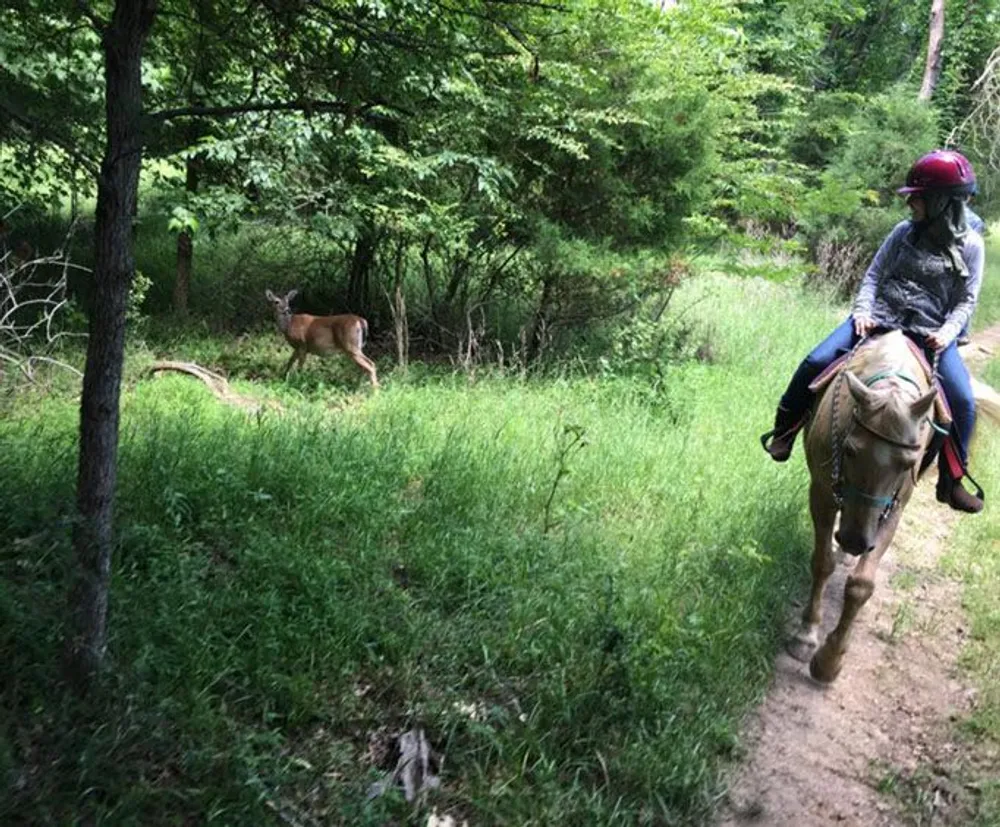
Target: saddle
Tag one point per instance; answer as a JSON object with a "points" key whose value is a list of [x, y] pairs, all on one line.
{"points": [[942, 413]]}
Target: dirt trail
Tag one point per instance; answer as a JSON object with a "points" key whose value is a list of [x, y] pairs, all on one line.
{"points": [[875, 747]]}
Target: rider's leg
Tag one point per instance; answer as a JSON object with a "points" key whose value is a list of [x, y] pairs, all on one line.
{"points": [[954, 456], [797, 399]]}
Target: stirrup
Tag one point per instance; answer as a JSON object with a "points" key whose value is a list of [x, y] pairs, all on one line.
{"points": [[779, 456]]}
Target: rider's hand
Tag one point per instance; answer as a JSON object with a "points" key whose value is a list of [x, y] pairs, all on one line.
{"points": [[863, 325], [936, 341]]}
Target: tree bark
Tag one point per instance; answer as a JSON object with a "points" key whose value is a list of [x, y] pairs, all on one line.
{"points": [[362, 261], [117, 190], [935, 38], [185, 249], [540, 322], [182, 286]]}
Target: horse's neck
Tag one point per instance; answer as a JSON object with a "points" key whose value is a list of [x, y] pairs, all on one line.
{"points": [[894, 362], [835, 407]]}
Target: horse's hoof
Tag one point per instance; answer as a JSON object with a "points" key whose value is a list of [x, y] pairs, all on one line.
{"points": [[801, 648], [822, 671]]}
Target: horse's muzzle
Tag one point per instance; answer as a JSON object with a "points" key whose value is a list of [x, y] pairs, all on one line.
{"points": [[854, 542]]}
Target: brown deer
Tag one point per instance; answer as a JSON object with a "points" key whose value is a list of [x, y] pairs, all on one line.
{"points": [[321, 335]]}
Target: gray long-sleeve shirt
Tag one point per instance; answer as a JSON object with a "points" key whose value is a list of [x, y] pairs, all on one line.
{"points": [[904, 281]]}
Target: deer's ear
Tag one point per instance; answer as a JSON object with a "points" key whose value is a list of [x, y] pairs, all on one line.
{"points": [[291, 295], [269, 295]]}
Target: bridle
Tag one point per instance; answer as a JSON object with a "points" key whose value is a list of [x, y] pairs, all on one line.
{"points": [[844, 491]]}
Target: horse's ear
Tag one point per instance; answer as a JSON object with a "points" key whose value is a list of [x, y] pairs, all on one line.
{"points": [[921, 406], [862, 394]]}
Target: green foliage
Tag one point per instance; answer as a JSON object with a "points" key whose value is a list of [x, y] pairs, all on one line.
{"points": [[431, 148], [595, 125], [846, 217], [988, 309], [881, 43], [137, 296], [50, 98], [234, 268], [889, 132], [826, 120], [183, 220], [970, 38]]}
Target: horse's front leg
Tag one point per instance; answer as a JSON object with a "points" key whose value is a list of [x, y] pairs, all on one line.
{"points": [[829, 659], [824, 513]]}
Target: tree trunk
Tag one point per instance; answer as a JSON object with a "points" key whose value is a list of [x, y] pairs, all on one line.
{"points": [[538, 337], [361, 266], [182, 286], [935, 37], [114, 266], [185, 249]]}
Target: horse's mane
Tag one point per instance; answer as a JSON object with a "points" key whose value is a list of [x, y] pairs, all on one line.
{"points": [[889, 352], [889, 355]]}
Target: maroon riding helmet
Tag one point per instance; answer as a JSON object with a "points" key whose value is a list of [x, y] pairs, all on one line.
{"points": [[942, 170]]}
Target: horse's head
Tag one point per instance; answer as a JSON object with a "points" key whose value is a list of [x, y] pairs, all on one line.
{"points": [[878, 457]]}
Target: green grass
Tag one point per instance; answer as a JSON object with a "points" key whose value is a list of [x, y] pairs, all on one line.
{"points": [[975, 557], [286, 585], [601, 567]]}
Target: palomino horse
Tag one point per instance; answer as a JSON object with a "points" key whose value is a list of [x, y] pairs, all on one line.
{"points": [[864, 445]]}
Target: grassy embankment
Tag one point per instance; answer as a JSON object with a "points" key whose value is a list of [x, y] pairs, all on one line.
{"points": [[975, 557], [580, 646]]}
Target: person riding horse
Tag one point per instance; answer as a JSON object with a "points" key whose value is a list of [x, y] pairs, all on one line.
{"points": [[924, 280]]}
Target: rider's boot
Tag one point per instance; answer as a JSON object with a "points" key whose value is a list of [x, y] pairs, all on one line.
{"points": [[951, 471], [782, 437], [951, 491]]}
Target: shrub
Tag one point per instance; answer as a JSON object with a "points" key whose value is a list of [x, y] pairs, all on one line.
{"points": [[846, 218]]}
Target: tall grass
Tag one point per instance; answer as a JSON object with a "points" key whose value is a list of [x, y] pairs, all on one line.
{"points": [[599, 569], [975, 557]]}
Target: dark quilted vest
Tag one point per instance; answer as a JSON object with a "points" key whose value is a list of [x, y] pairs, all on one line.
{"points": [[918, 291]]}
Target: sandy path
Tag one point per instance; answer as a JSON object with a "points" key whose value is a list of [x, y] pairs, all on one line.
{"points": [[874, 748]]}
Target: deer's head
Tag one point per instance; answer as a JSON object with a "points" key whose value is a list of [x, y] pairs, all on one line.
{"points": [[282, 305]]}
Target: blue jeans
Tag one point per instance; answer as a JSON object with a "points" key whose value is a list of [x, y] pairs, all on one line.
{"points": [[798, 399]]}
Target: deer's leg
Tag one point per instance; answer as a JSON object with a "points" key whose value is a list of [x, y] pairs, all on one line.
{"points": [[288, 366], [828, 660], [824, 512], [366, 364]]}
